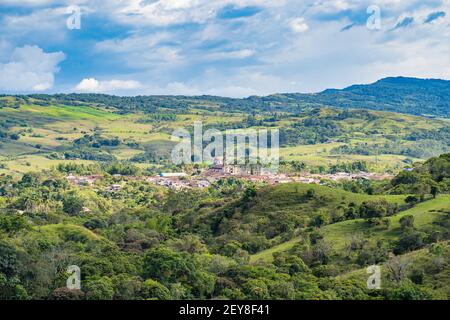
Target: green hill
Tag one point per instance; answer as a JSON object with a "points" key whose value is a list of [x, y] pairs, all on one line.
{"points": [[397, 94], [339, 234], [275, 214], [38, 132]]}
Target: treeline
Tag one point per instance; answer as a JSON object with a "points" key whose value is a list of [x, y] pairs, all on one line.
{"points": [[403, 95], [151, 246], [431, 177], [418, 149]]}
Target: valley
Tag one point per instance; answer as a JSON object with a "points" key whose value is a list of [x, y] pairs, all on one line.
{"points": [[88, 180]]}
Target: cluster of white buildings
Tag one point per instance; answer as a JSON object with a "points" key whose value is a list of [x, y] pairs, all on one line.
{"points": [[254, 173], [178, 181], [83, 180]]}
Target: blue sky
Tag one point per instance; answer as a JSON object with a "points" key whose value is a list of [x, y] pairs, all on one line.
{"points": [[218, 47]]}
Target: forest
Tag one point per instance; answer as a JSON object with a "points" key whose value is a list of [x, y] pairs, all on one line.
{"points": [[236, 240], [423, 97]]}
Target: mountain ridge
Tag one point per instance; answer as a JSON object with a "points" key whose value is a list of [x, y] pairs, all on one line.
{"points": [[415, 96]]}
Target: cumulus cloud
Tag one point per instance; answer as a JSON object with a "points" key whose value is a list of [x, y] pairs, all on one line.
{"points": [[27, 2], [233, 48], [168, 12], [434, 16], [94, 85], [405, 22], [30, 69], [298, 25], [234, 54]]}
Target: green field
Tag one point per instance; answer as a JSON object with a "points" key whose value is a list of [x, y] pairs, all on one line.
{"points": [[339, 234], [52, 128]]}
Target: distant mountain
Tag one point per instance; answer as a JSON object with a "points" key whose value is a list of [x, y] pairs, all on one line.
{"points": [[429, 97], [403, 95]]}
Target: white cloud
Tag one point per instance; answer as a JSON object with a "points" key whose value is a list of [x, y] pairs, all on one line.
{"points": [[26, 3], [330, 7], [134, 43], [41, 3], [298, 25], [94, 85], [168, 12], [29, 69], [236, 54], [255, 55]]}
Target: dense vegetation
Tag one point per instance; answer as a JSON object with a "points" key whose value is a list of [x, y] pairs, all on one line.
{"points": [[40, 132], [404, 95], [234, 240]]}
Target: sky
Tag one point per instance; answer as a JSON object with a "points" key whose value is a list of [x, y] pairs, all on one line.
{"points": [[234, 48]]}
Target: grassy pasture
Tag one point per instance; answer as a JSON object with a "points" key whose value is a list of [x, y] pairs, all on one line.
{"points": [[339, 234], [56, 126]]}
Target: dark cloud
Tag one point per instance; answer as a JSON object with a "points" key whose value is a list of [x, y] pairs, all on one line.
{"points": [[233, 12], [434, 16], [348, 27], [406, 22]]}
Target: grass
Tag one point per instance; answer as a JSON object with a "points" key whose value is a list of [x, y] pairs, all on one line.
{"points": [[28, 163], [56, 126], [267, 255], [419, 260], [339, 234], [291, 195], [320, 154], [69, 112], [57, 230], [290, 198], [424, 214]]}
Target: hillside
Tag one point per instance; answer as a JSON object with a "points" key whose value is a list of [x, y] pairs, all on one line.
{"points": [[231, 240], [76, 188], [148, 243], [39, 132], [404, 95], [434, 260], [340, 234], [414, 96]]}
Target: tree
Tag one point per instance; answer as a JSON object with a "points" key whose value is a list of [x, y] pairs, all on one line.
{"points": [[153, 290], [249, 194], [13, 223], [126, 287], [256, 289], [319, 219], [407, 222], [67, 294], [10, 285], [9, 264], [435, 190], [191, 244], [407, 290], [310, 193], [397, 268], [73, 203], [409, 241], [99, 288], [166, 265], [11, 288], [411, 200]]}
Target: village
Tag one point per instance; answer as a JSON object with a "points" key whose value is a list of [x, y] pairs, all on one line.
{"points": [[204, 178]]}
